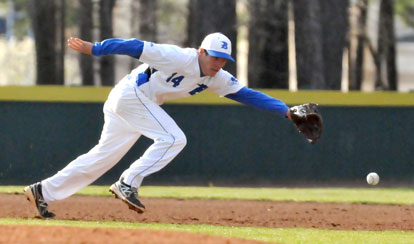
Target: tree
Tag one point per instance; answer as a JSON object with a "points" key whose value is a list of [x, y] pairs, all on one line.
{"points": [[60, 41], [309, 50], [86, 28], [321, 28], [358, 41], [144, 24], [268, 44], [148, 20], [44, 27], [205, 18], [335, 25], [383, 55], [107, 63], [387, 70]]}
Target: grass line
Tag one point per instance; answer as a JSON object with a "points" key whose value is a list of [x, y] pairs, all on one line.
{"points": [[346, 195], [273, 235]]}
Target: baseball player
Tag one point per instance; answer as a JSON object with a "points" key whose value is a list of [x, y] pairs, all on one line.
{"points": [[133, 109]]}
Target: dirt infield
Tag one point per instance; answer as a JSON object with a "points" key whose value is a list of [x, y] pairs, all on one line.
{"points": [[335, 216], [60, 234]]}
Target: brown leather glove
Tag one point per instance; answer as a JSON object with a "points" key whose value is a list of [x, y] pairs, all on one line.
{"points": [[308, 120]]}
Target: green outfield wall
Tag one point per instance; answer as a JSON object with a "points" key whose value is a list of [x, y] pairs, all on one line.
{"points": [[44, 128]]}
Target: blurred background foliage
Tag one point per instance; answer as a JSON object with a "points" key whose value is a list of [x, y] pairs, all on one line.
{"points": [[405, 9], [287, 44]]}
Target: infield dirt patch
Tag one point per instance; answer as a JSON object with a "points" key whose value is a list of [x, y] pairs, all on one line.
{"points": [[337, 216], [61, 234]]}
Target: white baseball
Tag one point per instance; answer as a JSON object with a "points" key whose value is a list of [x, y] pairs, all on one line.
{"points": [[373, 178]]}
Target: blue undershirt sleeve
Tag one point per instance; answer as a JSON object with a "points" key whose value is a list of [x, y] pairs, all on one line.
{"points": [[259, 100], [131, 47]]}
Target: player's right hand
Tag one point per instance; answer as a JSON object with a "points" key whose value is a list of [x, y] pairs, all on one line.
{"points": [[80, 45]]}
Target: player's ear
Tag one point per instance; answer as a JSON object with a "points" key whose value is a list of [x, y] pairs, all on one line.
{"points": [[202, 51]]}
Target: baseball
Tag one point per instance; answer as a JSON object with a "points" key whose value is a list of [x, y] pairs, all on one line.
{"points": [[373, 178]]}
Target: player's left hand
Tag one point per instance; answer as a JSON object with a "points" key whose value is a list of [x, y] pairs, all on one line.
{"points": [[80, 45], [308, 120]]}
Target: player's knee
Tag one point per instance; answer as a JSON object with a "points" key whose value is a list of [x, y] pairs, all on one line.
{"points": [[176, 141], [180, 140]]}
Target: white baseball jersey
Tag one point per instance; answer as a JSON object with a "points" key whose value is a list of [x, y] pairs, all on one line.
{"points": [[179, 74]]}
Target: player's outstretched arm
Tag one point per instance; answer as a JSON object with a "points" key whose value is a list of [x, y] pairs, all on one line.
{"points": [[80, 45], [260, 100]]}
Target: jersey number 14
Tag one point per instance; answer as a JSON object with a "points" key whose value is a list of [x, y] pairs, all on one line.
{"points": [[175, 80]]}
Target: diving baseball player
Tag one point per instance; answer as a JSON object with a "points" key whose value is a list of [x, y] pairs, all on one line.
{"points": [[133, 109]]}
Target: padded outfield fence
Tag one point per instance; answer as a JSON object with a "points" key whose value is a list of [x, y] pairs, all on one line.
{"points": [[45, 127]]}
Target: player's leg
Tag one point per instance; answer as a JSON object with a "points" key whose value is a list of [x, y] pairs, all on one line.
{"points": [[116, 139], [114, 143], [168, 138]]}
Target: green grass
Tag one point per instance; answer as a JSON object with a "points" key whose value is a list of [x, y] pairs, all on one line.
{"points": [[275, 235], [348, 195]]}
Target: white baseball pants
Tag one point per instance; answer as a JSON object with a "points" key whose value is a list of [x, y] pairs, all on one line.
{"points": [[128, 114]]}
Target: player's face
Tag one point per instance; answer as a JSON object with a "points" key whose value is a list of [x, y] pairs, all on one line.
{"points": [[210, 65]]}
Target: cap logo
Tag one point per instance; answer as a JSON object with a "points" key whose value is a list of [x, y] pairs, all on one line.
{"points": [[224, 45]]}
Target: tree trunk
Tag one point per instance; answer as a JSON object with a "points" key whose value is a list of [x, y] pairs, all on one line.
{"points": [[386, 47], [148, 20], [42, 12], [361, 32], [205, 18], [107, 67], [86, 28], [309, 50], [144, 24], [268, 65], [334, 22], [60, 42]]}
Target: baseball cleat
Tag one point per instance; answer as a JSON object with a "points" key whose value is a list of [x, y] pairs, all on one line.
{"points": [[34, 196], [127, 194]]}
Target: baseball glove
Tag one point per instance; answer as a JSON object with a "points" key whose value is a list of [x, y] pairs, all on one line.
{"points": [[308, 120]]}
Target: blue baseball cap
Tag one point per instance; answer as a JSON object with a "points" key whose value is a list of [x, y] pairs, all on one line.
{"points": [[217, 45]]}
